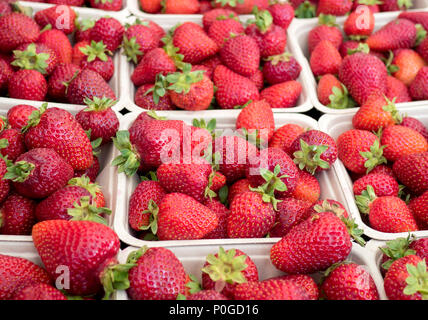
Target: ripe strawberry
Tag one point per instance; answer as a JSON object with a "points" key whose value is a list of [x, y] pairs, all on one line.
{"points": [[91, 172], [238, 187], [303, 281], [348, 47], [224, 28], [363, 75], [422, 49], [225, 270], [96, 59], [394, 250], [57, 41], [16, 29], [372, 5], [18, 273], [15, 145], [146, 101], [17, 215], [99, 118], [88, 84], [325, 58], [356, 30], [409, 62], [382, 184], [241, 54], [309, 246], [281, 68], [108, 5], [416, 125], [328, 205], [108, 30], [403, 278], [307, 188], [207, 295], [284, 136], [420, 246], [400, 33], [150, 6], [418, 87], [28, 84], [193, 43], [332, 93], [233, 89], [35, 56], [257, 117], [83, 30], [334, 7], [181, 217], [395, 5], [180, 6], [417, 17], [6, 72], [240, 7], [92, 264], [212, 15], [17, 116], [5, 8], [258, 79], [314, 151], [282, 14], [325, 30], [74, 3], [418, 206], [139, 39], [62, 74], [397, 89], [157, 275], [222, 213], [402, 141], [282, 95], [77, 55], [55, 17], [40, 291], [411, 170], [349, 281]]}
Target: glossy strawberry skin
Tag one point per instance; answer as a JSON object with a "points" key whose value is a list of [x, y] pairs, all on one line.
{"points": [[17, 116], [91, 172], [51, 16], [284, 136], [57, 41], [257, 115], [418, 88], [398, 90], [282, 95], [211, 16], [325, 59], [110, 31], [416, 125], [419, 208], [16, 145], [307, 188], [17, 214], [400, 33], [103, 124], [282, 71], [17, 28], [40, 291], [238, 187], [220, 31], [271, 43], [222, 213], [334, 7], [28, 84], [198, 98], [282, 14], [104, 68], [145, 101], [324, 32], [113, 5], [412, 171], [63, 73], [382, 184]]}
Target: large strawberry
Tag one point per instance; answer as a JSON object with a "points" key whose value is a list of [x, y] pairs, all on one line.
{"points": [[15, 29], [400, 33], [412, 171], [257, 117]]}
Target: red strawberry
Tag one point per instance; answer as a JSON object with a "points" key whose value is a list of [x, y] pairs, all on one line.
{"points": [[282, 14], [418, 206], [158, 275], [240, 7], [222, 213], [238, 187], [258, 79], [28, 84], [16, 29], [55, 17], [284, 136], [325, 58], [108, 5], [307, 188], [422, 49], [77, 55], [224, 28], [6, 72], [257, 116], [146, 101], [421, 247], [353, 27], [207, 295], [18, 273], [181, 217], [150, 6], [409, 62], [108, 30], [217, 276], [397, 89], [57, 41], [412, 171], [349, 281], [40, 291], [138, 40], [281, 68], [418, 87], [395, 5], [211, 16], [328, 205], [396, 249], [348, 47], [303, 281], [35, 56], [400, 33], [416, 125], [282, 95], [18, 115], [5, 8], [83, 30], [382, 184], [15, 145], [63, 73], [75, 3], [326, 30], [96, 59], [416, 17], [17, 215], [180, 6], [334, 7], [92, 172], [332, 93]]}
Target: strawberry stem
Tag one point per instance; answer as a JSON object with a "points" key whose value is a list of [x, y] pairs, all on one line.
{"points": [[87, 212], [129, 159]]}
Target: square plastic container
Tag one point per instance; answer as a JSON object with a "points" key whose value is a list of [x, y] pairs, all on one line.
{"points": [[107, 177], [128, 89], [335, 125], [329, 184], [115, 81], [193, 259], [298, 36]]}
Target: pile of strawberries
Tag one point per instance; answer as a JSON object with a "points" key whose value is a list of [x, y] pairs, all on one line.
{"points": [[382, 150], [48, 166], [391, 62], [222, 64], [38, 61], [107, 5]]}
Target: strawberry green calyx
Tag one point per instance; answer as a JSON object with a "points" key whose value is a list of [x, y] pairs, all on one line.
{"points": [[370, 2], [201, 123], [407, 4], [364, 200], [95, 143], [19, 172], [115, 277], [392, 109], [283, 57], [97, 104], [153, 210], [327, 206], [4, 143], [305, 10], [327, 20], [396, 249], [134, 256], [391, 68], [362, 47], [230, 16], [231, 3], [339, 99], [34, 118], [84, 24], [332, 268], [159, 89], [85, 211], [374, 156], [150, 176], [309, 157], [226, 268], [129, 160], [17, 7], [417, 281], [354, 231], [264, 19], [95, 50], [103, 1], [208, 193], [31, 60], [155, 116], [131, 49], [181, 82], [85, 183], [421, 34], [193, 285], [172, 51]]}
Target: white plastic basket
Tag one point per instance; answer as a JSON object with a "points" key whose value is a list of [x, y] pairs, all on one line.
{"points": [[115, 82], [193, 259], [298, 36], [128, 88], [107, 177], [328, 182], [335, 125]]}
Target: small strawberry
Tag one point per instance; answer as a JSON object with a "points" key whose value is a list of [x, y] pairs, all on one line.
{"points": [[145, 98], [307, 188], [150, 6], [55, 17], [257, 117], [332, 93], [334, 7], [326, 29], [356, 30], [108, 5], [62, 74], [411, 170], [180, 6], [83, 30], [57, 41], [282, 95], [284, 136], [139, 39], [35, 56], [40, 291], [281, 68], [383, 185], [400, 33], [224, 28], [17, 215], [17, 116], [97, 59], [28, 84], [418, 87], [325, 58], [110, 31], [282, 14], [16, 29]]}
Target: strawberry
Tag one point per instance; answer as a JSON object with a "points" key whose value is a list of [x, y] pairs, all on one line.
{"points": [[418, 206], [349, 46], [402, 141], [334, 7], [83, 30], [110, 31], [282, 95], [88, 84], [328, 205], [18, 273], [223, 28], [238, 187], [399, 33], [325, 30], [5, 8], [96, 59], [360, 150], [207, 295], [16, 29], [383, 185], [91, 172], [108, 5], [395, 5], [284, 136], [139, 39], [75, 3], [325, 59], [28, 84], [363, 75], [307, 188], [240, 7], [193, 43], [314, 151], [215, 14], [35, 56], [225, 270], [281, 68], [406, 278], [396, 249], [57, 41], [55, 17], [332, 93], [291, 212], [181, 217], [62, 74], [282, 14], [241, 54], [17, 215], [303, 281], [222, 213], [397, 89], [144, 99], [77, 55], [257, 117], [416, 16], [420, 246], [99, 118], [40, 291], [157, 275], [6, 72], [418, 87], [257, 79], [150, 6], [422, 49], [15, 145], [17, 116], [416, 125], [349, 281], [356, 30], [92, 264], [309, 246], [409, 62], [411, 170], [38, 173], [180, 6]]}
